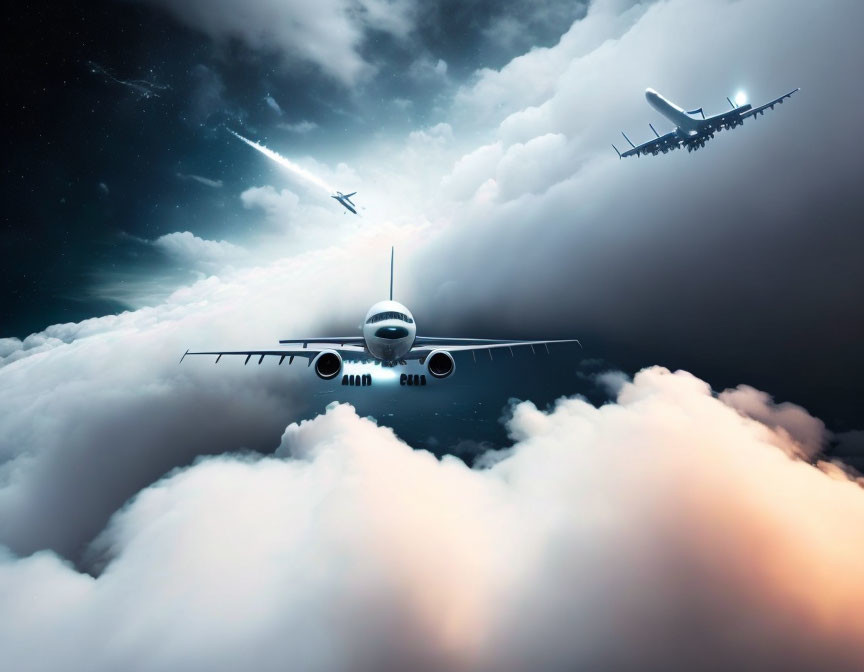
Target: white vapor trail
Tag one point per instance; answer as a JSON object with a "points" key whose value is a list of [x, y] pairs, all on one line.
{"points": [[286, 163]]}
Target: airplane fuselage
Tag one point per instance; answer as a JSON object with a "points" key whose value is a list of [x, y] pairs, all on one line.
{"points": [[389, 331], [685, 124]]}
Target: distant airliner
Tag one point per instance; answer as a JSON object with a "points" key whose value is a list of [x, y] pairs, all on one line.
{"points": [[691, 131], [389, 336], [345, 199]]}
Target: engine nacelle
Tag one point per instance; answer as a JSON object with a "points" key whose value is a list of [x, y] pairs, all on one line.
{"points": [[440, 364], [328, 364]]}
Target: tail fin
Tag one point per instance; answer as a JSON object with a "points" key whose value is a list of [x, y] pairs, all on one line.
{"points": [[391, 273]]}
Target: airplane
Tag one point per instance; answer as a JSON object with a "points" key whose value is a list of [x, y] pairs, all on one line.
{"points": [[345, 199], [691, 131], [389, 338]]}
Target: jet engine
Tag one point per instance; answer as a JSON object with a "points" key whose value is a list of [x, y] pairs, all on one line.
{"points": [[328, 364], [440, 364]]}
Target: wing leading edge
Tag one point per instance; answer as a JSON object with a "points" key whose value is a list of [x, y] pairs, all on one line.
{"points": [[347, 352], [424, 350], [662, 143], [761, 109]]}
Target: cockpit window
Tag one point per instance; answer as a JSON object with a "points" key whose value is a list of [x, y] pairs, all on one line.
{"points": [[389, 315]]}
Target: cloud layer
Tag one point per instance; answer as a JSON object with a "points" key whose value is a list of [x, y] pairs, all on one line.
{"points": [[328, 34], [662, 531]]}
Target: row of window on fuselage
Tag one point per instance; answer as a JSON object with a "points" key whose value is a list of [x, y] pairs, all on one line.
{"points": [[389, 315]]}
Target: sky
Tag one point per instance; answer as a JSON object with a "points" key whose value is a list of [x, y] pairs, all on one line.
{"points": [[688, 477]]}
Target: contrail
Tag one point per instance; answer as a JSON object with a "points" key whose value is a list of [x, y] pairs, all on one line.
{"points": [[286, 163]]}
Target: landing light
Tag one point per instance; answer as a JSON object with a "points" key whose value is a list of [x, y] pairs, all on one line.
{"points": [[380, 374], [740, 98]]}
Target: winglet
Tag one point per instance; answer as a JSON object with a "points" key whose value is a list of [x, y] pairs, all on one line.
{"points": [[391, 272], [184, 356], [616, 151]]}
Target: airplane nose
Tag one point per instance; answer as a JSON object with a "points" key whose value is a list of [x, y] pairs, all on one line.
{"points": [[650, 93]]}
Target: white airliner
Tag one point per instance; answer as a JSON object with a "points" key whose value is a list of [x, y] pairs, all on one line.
{"points": [[693, 131], [390, 338]]}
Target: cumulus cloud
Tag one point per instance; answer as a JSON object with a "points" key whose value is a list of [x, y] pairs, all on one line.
{"points": [[328, 34], [657, 532], [92, 412], [185, 247], [809, 433]]}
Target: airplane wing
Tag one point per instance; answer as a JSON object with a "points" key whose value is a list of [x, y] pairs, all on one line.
{"points": [[448, 342], [347, 352], [333, 340], [346, 204], [425, 350], [661, 143], [761, 109]]}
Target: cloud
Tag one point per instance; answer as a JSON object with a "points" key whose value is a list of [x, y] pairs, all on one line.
{"points": [[809, 433], [300, 127], [678, 258], [328, 34], [189, 249], [280, 205], [662, 521], [273, 105], [206, 181], [426, 68], [94, 411], [668, 520]]}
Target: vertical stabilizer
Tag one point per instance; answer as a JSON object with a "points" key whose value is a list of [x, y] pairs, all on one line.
{"points": [[391, 273]]}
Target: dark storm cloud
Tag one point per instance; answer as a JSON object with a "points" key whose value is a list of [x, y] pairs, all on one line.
{"points": [[484, 33]]}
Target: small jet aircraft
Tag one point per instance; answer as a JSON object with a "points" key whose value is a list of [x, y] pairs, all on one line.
{"points": [[345, 199], [691, 131], [390, 338]]}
